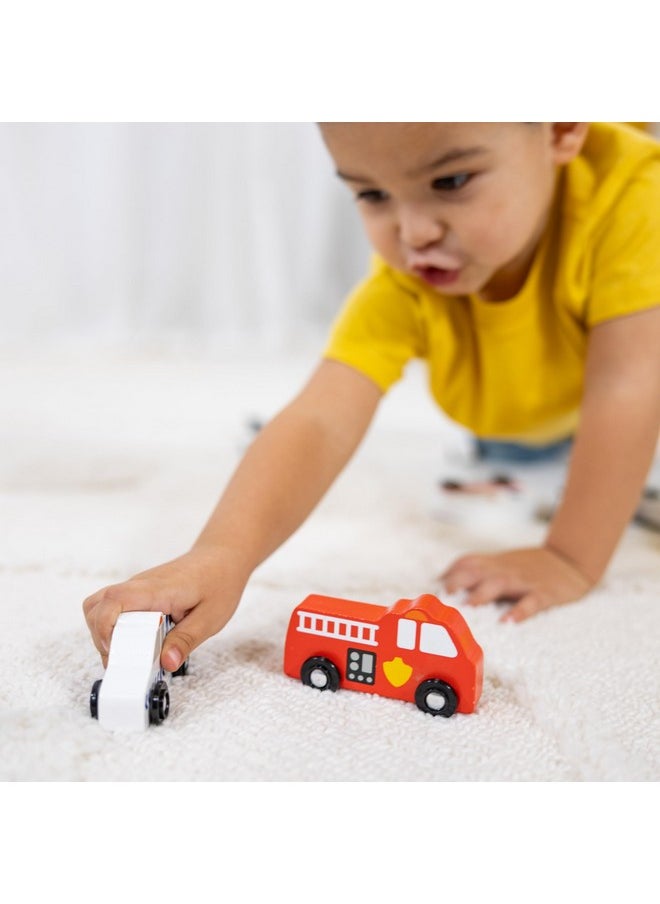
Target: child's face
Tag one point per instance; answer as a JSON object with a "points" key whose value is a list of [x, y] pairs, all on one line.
{"points": [[469, 222]]}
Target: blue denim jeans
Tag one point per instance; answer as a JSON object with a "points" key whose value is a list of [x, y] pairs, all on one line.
{"points": [[490, 450]]}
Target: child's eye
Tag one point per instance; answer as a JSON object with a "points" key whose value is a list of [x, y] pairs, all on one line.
{"points": [[371, 196], [451, 183]]}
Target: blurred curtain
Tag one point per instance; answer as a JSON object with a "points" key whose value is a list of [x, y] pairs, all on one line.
{"points": [[139, 232]]}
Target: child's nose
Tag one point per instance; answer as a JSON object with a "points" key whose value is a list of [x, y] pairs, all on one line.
{"points": [[418, 230]]}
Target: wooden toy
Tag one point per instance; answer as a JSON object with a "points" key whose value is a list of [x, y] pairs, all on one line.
{"points": [[418, 650], [133, 693]]}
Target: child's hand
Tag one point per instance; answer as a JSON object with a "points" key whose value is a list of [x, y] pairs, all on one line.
{"points": [[534, 579], [196, 589]]}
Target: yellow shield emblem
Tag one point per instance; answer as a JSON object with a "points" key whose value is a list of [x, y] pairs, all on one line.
{"points": [[397, 671]]}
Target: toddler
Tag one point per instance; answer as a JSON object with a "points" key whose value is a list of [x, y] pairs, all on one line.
{"points": [[521, 261]]}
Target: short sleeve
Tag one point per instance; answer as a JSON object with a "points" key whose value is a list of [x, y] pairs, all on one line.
{"points": [[379, 329], [626, 261]]}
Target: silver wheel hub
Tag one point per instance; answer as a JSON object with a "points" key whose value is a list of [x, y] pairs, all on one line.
{"points": [[435, 700], [318, 678]]}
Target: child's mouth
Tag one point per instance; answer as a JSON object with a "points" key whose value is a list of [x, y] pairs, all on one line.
{"points": [[436, 276]]}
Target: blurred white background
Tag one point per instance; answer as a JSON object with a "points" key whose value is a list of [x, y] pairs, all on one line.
{"points": [[145, 235]]}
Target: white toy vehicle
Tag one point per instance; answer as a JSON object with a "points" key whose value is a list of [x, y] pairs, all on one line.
{"points": [[133, 693]]}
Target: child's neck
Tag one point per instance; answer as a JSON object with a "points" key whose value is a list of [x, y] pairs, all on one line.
{"points": [[510, 279]]}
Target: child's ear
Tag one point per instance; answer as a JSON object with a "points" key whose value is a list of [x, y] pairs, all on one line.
{"points": [[567, 140]]}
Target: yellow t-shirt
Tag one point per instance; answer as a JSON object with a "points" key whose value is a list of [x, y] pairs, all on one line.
{"points": [[513, 370]]}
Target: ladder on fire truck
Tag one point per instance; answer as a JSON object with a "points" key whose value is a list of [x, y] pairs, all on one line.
{"points": [[341, 628]]}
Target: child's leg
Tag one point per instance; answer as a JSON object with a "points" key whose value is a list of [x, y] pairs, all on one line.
{"points": [[503, 482], [648, 512], [510, 455], [495, 451]]}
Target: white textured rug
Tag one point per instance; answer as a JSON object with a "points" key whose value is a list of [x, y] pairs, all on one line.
{"points": [[111, 464]]}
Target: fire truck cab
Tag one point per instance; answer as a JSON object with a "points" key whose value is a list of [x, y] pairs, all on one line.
{"points": [[419, 650]]}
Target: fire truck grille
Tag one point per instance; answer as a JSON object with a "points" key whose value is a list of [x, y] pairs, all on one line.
{"points": [[361, 666]]}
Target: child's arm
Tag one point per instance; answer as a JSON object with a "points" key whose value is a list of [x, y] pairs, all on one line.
{"points": [[619, 425], [283, 475]]}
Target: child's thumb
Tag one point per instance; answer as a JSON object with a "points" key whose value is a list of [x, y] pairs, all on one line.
{"points": [[182, 640]]}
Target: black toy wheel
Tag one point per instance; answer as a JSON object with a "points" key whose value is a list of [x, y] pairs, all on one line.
{"points": [[320, 673], [436, 697], [159, 703], [94, 699], [182, 670]]}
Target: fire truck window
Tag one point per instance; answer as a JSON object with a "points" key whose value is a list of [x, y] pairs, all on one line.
{"points": [[405, 635], [435, 639]]}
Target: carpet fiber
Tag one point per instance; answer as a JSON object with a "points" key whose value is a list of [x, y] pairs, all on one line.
{"points": [[111, 464]]}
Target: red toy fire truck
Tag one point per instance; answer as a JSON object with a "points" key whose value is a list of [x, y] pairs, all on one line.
{"points": [[416, 650]]}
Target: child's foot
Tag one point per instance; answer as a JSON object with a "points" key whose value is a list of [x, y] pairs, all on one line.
{"points": [[251, 428], [483, 500], [648, 511], [480, 492], [496, 485]]}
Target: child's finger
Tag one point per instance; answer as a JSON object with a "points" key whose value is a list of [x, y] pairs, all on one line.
{"points": [[463, 574], [106, 606], [200, 624], [93, 608], [489, 591], [527, 606], [89, 606]]}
